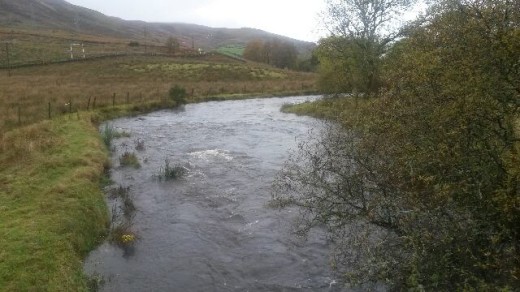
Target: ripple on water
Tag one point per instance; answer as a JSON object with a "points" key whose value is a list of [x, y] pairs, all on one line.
{"points": [[212, 154]]}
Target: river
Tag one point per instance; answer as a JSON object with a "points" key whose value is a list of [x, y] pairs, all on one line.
{"points": [[211, 229]]}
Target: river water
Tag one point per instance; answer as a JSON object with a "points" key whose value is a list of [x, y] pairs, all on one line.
{"points": [[212, 229]]}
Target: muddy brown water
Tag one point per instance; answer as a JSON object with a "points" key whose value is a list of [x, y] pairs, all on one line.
{"points": [[211, 230]]}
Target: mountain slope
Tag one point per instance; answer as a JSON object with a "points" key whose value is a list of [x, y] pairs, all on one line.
{"points": [[63, 16]]}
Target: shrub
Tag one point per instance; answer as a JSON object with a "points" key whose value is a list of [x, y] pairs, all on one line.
{"points": [[170, 172], [107, 134], [178, 94]]}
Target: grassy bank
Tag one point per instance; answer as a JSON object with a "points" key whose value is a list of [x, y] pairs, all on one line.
{"points": [[52, 207], [330, 108]]}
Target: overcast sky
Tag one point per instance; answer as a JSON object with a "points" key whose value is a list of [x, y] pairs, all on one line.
{"points": [[294, 18]]}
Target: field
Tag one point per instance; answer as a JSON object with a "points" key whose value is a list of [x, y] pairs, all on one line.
{"points": [[232, 50], [34, 93]]}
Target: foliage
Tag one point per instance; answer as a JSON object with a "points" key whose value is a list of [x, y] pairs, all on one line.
{"points": [[129, 159], [178, 94], [170, 172], [123, 236], [350, 59], [420, 188], [275, 52], [109, 133]]}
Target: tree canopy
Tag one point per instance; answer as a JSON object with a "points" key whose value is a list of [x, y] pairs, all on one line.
{"points": [[420, 187], [274, 52]]}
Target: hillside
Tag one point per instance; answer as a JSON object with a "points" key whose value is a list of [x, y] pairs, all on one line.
{"points": [[52, 16]]}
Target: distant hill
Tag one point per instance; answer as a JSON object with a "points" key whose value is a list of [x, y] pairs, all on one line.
{"points": [[59, 15]]}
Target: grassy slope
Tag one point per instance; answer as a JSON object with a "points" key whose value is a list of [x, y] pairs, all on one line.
{"points": [[52, 208]]}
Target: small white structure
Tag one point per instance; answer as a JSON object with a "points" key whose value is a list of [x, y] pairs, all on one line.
{"points": [[72, 51]]}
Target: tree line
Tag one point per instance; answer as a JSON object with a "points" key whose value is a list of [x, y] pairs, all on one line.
{"points": [[273, 52], [418, 178]]}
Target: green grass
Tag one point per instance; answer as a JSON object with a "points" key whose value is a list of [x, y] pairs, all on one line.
{"points": [[233, 50], [108, 133], [52, 211], [170, 172], [329, 108]]}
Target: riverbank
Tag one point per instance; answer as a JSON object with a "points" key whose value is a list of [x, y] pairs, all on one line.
{"points": [[52, 207]]}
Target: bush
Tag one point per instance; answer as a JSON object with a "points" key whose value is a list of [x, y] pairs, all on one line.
{"points": [[169, 172], [178, 94]]}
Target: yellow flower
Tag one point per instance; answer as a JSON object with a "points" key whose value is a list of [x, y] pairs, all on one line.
{"points": [[127, 238]]}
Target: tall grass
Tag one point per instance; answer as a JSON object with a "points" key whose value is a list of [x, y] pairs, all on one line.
{"points": [[170, 172], [52, 208]]}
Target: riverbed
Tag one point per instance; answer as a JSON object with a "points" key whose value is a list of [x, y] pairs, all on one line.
{"points": [[211, 229]]}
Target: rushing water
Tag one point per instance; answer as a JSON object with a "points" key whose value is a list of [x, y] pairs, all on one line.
{"points": [[212, 229]]}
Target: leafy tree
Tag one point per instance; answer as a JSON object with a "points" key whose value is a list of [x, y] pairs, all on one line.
{"points": [[361, 31], [254, 51], [275, 52], [336, 71], [420, 188], [281, 54]]}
